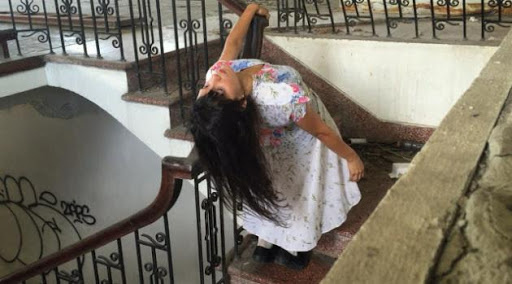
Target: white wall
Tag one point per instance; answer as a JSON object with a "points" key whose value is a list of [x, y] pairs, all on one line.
{"points": [[22, 81], [70, 147], [410, 83]]}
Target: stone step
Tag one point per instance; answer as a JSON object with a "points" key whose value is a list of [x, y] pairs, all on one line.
{"points": [[245, 270]]}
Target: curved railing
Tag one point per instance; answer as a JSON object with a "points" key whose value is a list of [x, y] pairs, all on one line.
{"points": [[174, 170]]}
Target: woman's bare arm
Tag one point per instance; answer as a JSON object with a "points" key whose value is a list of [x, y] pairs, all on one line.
{"points": [[235, 40], [314, 124]]}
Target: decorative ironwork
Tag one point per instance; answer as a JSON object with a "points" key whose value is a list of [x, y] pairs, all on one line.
{"points": [[104, 8], [211, 229], [75, 277], [67, 7], [114, 261], [28, 7], [161, 242], [214, 256]]}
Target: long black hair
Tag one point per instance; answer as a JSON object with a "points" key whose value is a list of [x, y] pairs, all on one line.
{"points": [[228, 142]]}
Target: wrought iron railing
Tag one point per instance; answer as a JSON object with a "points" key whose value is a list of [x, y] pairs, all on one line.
{"points": [[82, 263], [436, 15]]}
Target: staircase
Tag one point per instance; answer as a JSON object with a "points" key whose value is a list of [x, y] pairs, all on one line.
{"points": [[169, 79]]}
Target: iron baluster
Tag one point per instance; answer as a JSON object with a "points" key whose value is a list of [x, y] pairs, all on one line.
{"points": [[121, 260], [278, 15], [433, 17], [178, 59], [139, 257], [169, 249], [119, 32], [464, 28], [135, 46], [345, 15], [56, 272], [416, 18], [61, 33], [145, 48], [205, 37], [295, 16], [306, 16], [198, 228], [388, 28], [95, 29], [223, 237], [371, 17], [332, 18], [14, 27], [43, 278], [211, 230], [47, 27], [162, 53], [81, 18], [95, 265]]}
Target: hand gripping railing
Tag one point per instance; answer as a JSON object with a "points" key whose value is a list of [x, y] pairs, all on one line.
{"points": [[173, 171], [254, 37]]}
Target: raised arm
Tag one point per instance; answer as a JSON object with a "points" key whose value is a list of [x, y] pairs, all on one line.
{"points": [[235, 40]]}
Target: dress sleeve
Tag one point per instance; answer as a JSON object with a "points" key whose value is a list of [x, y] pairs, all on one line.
{"points": [[282, 103]]}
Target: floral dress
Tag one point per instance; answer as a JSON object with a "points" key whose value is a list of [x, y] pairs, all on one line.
{"points": [[312, 180]]}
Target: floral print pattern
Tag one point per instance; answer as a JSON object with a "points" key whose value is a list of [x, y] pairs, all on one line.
{"points": [[312, 180]]}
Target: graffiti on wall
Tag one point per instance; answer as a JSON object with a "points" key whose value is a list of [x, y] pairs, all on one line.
{"points": [[34, 225]]}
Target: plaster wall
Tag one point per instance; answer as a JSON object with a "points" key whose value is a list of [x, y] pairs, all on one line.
{"points": [[408, 83], [22, 81], [105, 88], [71, 154]]}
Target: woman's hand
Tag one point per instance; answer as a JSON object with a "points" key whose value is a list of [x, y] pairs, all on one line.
{"points": [[355, 167], [262, 11]]}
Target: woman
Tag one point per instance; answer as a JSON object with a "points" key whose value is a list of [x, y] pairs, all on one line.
{"points": [[266, 138]]}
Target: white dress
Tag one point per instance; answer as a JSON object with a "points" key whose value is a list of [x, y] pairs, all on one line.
{"points": [[313, 180]]}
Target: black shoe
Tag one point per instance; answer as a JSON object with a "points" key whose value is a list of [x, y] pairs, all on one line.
{"points": [[289, 260], [264, 255]]}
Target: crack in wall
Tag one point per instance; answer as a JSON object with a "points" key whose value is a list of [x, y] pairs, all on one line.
{"points": [[477, 246]]}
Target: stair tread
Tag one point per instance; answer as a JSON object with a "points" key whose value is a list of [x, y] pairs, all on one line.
{"points": [[245, 270], [179, 132], [155, 96]]}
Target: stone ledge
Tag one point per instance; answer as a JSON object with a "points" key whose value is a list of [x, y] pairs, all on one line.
{"points": [[402, 240]]}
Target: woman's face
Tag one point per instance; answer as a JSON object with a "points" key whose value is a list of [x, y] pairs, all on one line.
{"points": [[225, 82]]}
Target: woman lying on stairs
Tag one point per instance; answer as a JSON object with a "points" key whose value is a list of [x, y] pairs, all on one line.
{"points": [[266, 138]]}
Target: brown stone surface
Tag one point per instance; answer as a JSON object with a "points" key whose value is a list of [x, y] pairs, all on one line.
{"points": [[246, 271], [88, 61], [179, 132], [8, 67], [155, 96], [402, 239], [354, 120]]}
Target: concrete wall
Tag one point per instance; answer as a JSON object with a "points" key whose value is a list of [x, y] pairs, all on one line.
{"points": [[59, 153], [409, 83]]}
